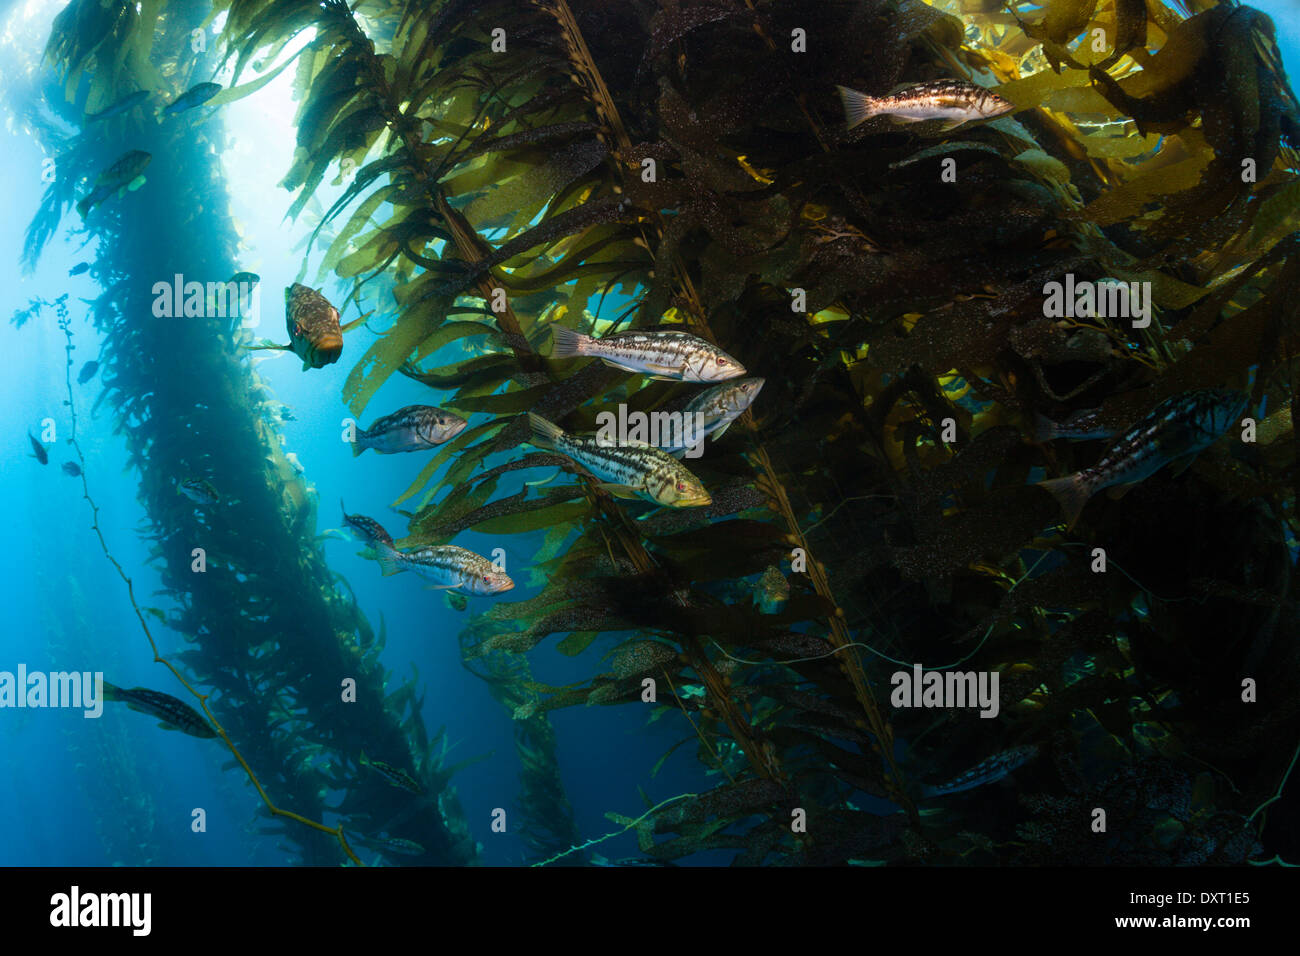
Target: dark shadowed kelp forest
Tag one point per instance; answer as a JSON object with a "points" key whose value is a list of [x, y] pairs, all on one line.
{"points": [[990, 562]]}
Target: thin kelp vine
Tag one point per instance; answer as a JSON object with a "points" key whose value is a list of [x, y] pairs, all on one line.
{"points": [[65, 325], [691, 170], [272, 631]]}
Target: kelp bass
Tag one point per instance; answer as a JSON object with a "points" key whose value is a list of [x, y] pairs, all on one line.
{"points": [[315, 335]]}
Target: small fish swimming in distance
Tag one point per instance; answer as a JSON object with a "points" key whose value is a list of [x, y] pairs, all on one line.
{"points": [[1176, 430], [371, 531], [194, 96], [79, 269], [198, 490], [172, 714], [394, 775], [72, 468], [627, 470], [87, 372], [398, 845], [315, 335], [986, 771], [447, 566], [125, 175], [720, 405], [953, 101], [38, 450], [121, 106], [413, 428], [668, 355]]}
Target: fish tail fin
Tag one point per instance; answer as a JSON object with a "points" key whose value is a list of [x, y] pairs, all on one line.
{"points": [[858, 107], [83, 207], [388, 556], [1044, 428], [110, 691], [1072, 492], [566, 343], [545, 433], [358, 446]]}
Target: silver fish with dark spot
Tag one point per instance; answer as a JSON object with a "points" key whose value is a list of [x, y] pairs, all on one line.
{"points": [[172, 714], [953, 101], [987, 771], [448, 567], [1178, 429], [627, 469], [394, 775], [669, 355], [413, 428], [720, 406], [371, 531], [1085, 425]]}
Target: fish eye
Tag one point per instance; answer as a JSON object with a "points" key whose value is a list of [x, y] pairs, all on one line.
{"points": [[681, 486], [722, 361]]}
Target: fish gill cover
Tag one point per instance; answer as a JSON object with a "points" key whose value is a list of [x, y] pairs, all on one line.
{"points": [[919, 293]]}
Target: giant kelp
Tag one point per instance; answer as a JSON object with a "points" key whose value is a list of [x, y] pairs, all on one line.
{"points": [[271, 630], [514, 165], [693, 158]]}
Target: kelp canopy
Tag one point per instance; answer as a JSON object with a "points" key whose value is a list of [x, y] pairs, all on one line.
{"points": [[600, 165]]}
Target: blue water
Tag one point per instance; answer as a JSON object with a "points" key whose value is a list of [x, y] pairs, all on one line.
{"points": [[67, 609]]}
